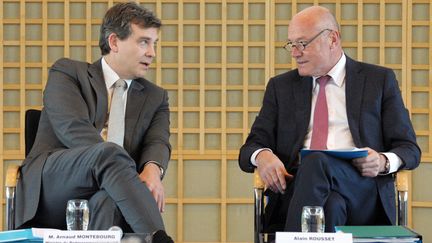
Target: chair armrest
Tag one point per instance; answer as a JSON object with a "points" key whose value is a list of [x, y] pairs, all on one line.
{"points": [[402, 181], [12, 177], [258, 207], [258, 182]]}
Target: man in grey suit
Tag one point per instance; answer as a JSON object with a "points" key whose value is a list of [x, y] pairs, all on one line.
{"points": [[71, 159], [363, 108]]}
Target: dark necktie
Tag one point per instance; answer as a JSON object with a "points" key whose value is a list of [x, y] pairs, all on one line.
{"points": [[320, 121], [116, 116]]}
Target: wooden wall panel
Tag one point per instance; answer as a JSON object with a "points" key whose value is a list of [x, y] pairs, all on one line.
{"points": [[214, 58]]}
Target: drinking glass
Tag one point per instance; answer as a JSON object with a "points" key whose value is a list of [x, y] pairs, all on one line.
{"points": [[77, 214], [312, 219]]}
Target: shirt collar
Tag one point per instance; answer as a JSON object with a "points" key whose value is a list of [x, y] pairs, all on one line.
{"points": [[110, 75], [337, 73]]}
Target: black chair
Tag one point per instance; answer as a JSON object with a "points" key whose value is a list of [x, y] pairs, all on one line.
{"points": [[401, 186], [32, 118]]}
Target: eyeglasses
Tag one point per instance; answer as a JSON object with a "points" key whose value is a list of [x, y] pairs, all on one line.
{"points": [[301, 45]]}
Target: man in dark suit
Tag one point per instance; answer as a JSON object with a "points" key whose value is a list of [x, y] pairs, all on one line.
{"points": [[364, 109], [71, 158]]}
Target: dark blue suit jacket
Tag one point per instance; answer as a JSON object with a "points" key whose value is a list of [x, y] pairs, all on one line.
{"points": [[376, 115]]}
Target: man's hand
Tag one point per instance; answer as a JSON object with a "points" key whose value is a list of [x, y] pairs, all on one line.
{"points": [[371, 165], [152, 178], [272, 171]]}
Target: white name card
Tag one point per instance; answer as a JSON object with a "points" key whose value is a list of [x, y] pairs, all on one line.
{"points": [[295, 237], [63, 236]]}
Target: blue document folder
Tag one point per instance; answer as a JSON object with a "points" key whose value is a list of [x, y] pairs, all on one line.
{"points": [[338, 153], [22, 235]]}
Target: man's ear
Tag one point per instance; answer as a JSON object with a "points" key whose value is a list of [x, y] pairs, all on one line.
{"points": [[113, 42], [335, 38]]}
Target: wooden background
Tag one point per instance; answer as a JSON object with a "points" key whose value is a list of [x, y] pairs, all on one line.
{"points": [[214, 58]]}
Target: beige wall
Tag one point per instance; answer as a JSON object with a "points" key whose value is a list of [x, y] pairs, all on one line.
{"points": [[215, 58]]}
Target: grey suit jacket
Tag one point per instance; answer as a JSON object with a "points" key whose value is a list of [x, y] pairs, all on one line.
{"points": [[376, 115], [75, 110]]}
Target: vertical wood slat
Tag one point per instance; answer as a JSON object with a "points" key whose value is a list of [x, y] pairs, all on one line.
{"points": [[430, 77], [245, 109], [158, 62], [66, 38], [223, 168], [1, 113], [180, 162], [405, 81], [22, 79], [409, 43], [45, 40], [360, 30], [88, 19], [245, 71], [269, 39], [202, 64], [381, 59], [430, 88], [338, 14], [293, 12]]}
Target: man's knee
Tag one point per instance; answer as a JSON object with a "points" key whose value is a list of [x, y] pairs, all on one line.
{"points": [[108, 148], [109, 152], [314, 164], [313, 159]]}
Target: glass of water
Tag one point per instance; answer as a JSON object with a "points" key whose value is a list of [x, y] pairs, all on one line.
{"points": [[77, 214], [312, 219]]}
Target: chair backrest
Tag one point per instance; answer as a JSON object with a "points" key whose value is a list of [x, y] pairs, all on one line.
{"points": [[31, 126]]}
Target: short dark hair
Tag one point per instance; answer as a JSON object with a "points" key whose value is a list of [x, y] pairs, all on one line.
{"points": [[118, 20]]}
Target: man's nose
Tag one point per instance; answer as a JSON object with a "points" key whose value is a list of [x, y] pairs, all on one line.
{"points": [[151, 52], [295, 52]]}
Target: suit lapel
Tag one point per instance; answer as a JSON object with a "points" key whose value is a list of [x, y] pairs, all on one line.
{"points": [[354, 93], [135, 100], [98, 83], [303, 100]]}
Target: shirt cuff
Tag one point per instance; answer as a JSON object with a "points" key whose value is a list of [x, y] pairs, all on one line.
{"points": [[395, 162], [254, 155]]}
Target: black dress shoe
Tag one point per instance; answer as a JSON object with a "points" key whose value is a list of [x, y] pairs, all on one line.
{"points": [[161, 236]]}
